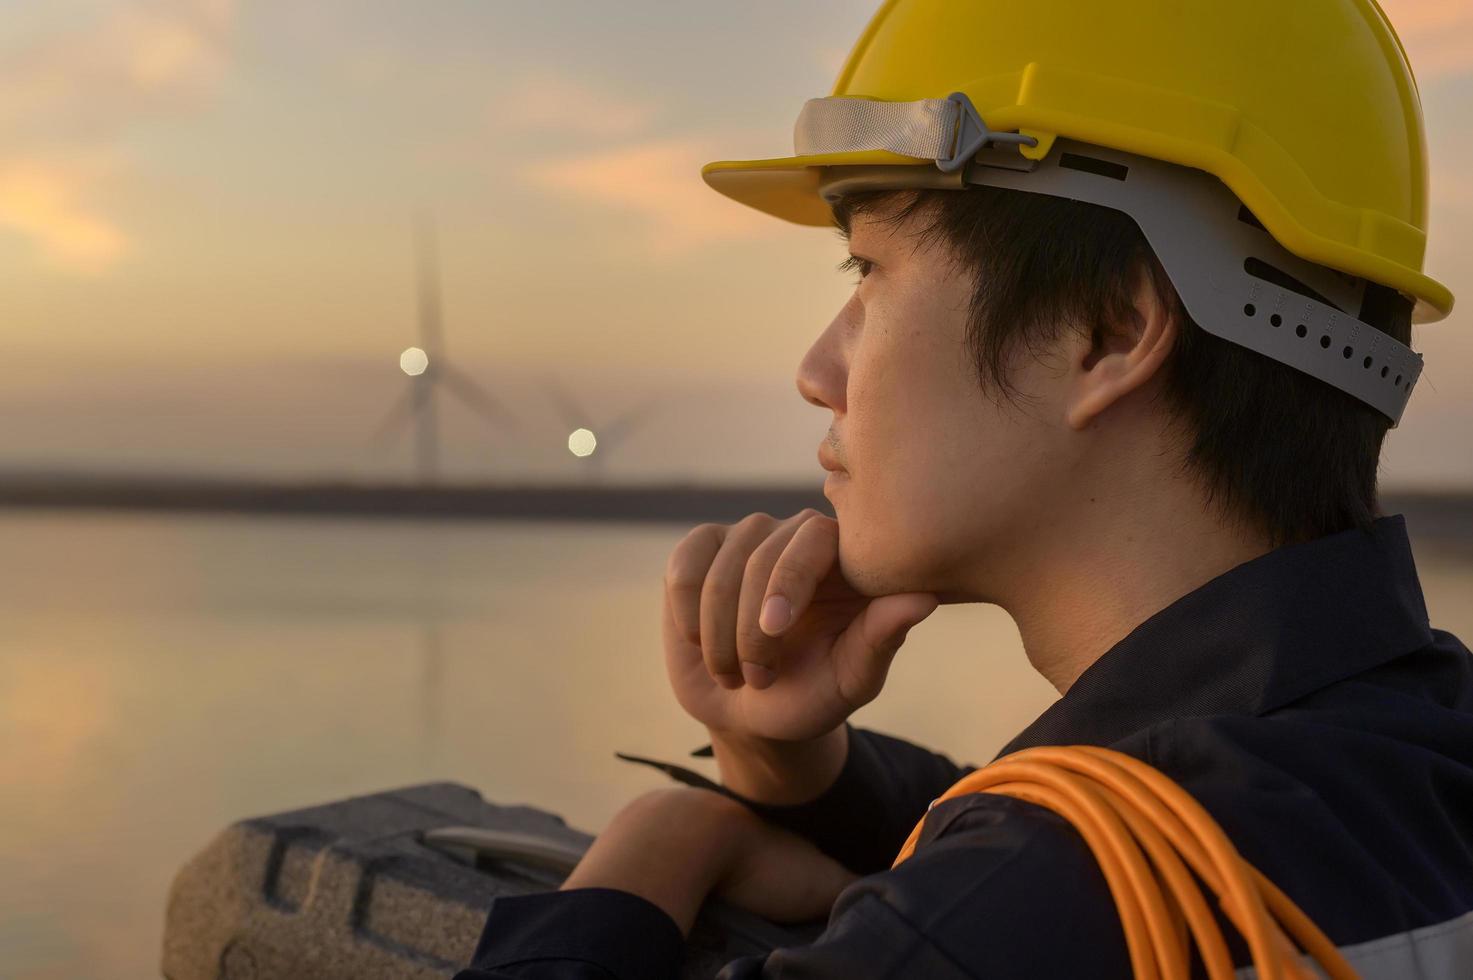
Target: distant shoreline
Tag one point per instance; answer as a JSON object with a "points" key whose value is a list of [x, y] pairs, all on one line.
{"points": [[665, 502], [1435, 514]]}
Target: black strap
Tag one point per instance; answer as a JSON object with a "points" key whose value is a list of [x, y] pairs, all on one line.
{"points": [[680, 773]]}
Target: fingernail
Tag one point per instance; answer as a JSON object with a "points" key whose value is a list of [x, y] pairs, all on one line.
{"points": [[776, 612], [757, 675]]}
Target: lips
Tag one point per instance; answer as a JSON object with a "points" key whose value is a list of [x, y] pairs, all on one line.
{"points": [[827, 461]]}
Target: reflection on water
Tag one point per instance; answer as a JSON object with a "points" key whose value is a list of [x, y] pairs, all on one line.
{"points": [[162, 677]]}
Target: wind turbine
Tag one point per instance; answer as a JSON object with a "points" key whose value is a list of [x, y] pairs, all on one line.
{"points": [[428, 368], [583, 441]]}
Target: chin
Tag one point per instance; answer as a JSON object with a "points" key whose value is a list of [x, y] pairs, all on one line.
{"points": [[883, 551], [866, 561]]}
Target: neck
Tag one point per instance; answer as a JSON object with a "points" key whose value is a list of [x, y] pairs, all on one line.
{"points": [[1124, 557]]}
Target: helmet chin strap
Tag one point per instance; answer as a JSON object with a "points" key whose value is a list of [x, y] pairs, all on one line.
{"points": [[1236, 281]]}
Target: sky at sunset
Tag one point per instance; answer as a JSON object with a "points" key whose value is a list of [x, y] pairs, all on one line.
{"points": [[206, 232]]}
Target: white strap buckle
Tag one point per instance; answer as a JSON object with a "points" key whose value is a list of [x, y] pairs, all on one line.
{"points": [[972, 135], [947, 130]]}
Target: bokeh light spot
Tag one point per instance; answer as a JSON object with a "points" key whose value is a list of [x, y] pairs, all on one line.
{"points": [[582, 442], [413, 361]]}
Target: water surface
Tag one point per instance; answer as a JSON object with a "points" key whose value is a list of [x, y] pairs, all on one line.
{"points": [[162, 677]]}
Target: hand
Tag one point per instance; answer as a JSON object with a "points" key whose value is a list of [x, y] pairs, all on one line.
{"points": [[827, 662], [677, 846]]}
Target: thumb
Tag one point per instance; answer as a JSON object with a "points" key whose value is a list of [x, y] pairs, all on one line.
{"points": [[864, 651]]}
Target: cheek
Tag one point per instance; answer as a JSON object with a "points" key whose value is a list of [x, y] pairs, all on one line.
{"points": [[913, 414], [887, 407], [915, 437], [939, 471]]}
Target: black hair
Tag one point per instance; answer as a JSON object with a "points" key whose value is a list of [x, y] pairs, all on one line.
{"points": [[1292, 455]]}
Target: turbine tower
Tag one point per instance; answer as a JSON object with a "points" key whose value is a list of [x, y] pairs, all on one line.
{"points": [[428, 369], [432, 339]]}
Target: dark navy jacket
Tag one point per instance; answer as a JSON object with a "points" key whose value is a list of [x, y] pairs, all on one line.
{"points": [[1301, 697]]}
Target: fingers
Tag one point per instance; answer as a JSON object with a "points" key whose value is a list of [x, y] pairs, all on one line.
{"points": [[714, 583], [721, 594], [756, 650], [703, 581], [685, 574], [794, 577]]}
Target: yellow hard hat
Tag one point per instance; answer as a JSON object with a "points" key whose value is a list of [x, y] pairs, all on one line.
{"points": [[1306, 111]]}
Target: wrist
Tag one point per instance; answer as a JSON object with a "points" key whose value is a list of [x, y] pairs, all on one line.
{"points": [[671, 847], [777, 772]]}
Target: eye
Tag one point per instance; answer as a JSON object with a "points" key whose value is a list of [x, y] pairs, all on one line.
{"points": [[856, 264]]}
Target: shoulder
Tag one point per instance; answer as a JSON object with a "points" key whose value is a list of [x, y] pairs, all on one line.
{"points": [[1333, 795], [993, 882]]}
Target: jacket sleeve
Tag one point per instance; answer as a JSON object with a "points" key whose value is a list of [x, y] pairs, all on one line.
{"points": [[996, 889], [864, 818], [577, 934]]}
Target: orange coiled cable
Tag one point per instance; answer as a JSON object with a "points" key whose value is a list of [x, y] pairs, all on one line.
{"points": [[1121, 805]]}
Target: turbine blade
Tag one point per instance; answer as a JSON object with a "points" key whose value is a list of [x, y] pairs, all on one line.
{"points": [[619, 429], [572, 413], [398, 414], [477, 398]]}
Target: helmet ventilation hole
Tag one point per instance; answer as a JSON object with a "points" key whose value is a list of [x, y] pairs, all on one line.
{"points": [[1094, 165]]}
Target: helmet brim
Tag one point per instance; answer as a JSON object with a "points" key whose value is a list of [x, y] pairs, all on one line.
{"points": [[788, 187]]}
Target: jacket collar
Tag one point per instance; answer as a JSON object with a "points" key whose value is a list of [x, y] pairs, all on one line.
{"points": [[1254, 638]]}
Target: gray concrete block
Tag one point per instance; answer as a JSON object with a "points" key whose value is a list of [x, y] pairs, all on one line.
{"points": [[356, 890]]}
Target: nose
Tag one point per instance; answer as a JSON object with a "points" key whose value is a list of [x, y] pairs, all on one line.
{"points": [[824, 372]]}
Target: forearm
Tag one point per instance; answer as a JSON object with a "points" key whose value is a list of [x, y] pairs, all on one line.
{"points": [[669, 846], [780, 773]]}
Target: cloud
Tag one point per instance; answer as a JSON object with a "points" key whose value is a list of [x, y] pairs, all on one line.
{"points": [[660, 181], [47, 203], [657, 179], [66, 99], [549, 101]]}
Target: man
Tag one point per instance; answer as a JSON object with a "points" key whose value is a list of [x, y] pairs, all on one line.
{"points": [[1083, 376]]}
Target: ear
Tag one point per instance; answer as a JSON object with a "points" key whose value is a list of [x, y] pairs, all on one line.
{"points": [[1121, 356]]}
